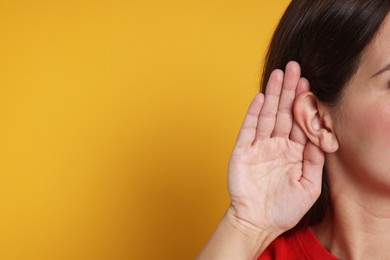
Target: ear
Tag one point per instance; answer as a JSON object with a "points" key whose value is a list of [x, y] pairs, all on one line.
{"points": [[316, 122]]}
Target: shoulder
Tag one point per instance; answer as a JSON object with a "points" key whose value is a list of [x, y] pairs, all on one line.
{"points": [[302, 244]]}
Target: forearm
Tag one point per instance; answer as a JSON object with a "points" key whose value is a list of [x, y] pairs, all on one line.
{"points": [[235, 239]]}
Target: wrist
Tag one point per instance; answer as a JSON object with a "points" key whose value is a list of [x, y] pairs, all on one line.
{"points": [[255, 237], [236, 238]]}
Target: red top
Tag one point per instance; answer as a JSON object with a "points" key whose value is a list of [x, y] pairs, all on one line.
{"points": [[300, 245]]}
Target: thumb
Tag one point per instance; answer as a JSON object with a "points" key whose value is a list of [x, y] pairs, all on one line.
{"points": [[313, 163]]}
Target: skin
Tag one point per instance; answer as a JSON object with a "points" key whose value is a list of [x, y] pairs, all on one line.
{"points": [[358, 227], [276, 166]]}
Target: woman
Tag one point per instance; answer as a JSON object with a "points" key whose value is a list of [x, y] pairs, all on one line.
{"points": [[309, 176]]}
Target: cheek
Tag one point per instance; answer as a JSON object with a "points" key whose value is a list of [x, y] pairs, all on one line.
{"points": [[365, 139], [373, 124]]}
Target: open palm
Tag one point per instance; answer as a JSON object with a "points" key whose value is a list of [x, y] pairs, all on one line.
{"points": [[274, 171]]}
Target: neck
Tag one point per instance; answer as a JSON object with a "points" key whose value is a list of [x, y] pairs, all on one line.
{"points": [[354, 233], [357, 226]]}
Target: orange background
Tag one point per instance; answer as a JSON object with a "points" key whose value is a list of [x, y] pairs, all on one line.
{"points": [[117, 122]]}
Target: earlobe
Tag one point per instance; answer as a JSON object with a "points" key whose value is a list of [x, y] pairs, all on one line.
{"points": [[315, 121]]}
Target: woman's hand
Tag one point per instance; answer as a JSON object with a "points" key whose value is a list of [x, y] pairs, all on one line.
{"points": [[275, 171]]}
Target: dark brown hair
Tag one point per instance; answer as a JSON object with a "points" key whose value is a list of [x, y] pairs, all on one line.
{"points": [[327, 38]]}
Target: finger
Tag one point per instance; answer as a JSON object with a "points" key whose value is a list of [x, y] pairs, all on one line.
{"points": [[248, 129], [267, 117], [313, 163], [297, 135], [284, 117]]}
